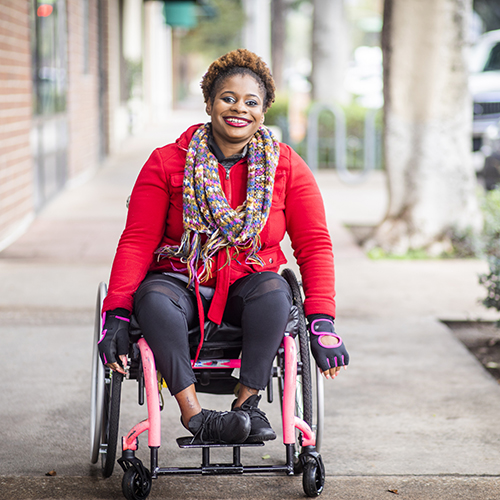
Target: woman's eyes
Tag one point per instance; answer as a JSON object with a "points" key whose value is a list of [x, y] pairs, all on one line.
{"points": [[232, 100]]}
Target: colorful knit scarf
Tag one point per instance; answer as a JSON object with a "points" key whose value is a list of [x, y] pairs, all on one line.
{"points": [[207, 212]]}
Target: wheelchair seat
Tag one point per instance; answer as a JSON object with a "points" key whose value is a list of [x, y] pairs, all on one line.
{"points": [[221, 342]]}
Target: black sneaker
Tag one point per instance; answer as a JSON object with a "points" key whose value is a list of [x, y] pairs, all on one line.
{"points": [[261, 428], [211, 426]]}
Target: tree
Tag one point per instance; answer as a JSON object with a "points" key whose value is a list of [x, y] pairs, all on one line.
{"points": [[428, 116], [218, 34], [278, 32], [329, 51]]}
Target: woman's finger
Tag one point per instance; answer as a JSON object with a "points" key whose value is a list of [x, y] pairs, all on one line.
{"points": [[331, 373], [123, 358], [116, 368]]}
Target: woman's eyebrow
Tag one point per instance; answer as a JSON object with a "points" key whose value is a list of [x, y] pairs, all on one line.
{"points": [[234, 93]]}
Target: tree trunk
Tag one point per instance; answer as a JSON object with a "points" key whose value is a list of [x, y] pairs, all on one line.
{"points": [[257, 29], [329, 51], [278, 33], [428, 118]]}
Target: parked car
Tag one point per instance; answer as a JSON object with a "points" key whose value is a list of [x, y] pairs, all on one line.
{"points": [[484, 85]]}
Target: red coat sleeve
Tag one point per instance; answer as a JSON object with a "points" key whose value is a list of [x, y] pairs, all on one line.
{"points": [[142, 234], [311, 242]]}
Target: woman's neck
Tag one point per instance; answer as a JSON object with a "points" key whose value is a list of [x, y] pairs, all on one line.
{"points": [[230, 150], [225, 151]]}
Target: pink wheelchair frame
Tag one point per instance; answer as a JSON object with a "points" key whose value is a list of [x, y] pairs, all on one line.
{"points": [[153, 423]]}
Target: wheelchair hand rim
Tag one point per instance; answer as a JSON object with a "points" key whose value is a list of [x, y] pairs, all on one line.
{"points": [[97, 382]]}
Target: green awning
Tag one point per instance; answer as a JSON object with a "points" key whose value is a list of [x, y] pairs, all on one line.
{"points": [[180, 14]]}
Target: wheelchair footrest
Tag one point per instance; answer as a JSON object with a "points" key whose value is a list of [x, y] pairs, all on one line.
{"points": [[188, 442]]}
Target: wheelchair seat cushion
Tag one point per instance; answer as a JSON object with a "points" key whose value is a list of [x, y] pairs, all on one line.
{"points": [[225, 332]]}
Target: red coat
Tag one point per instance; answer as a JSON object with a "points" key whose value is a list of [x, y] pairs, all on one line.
{"points": [[155, 219]]}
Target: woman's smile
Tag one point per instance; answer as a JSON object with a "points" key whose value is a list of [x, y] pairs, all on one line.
{"points": [[237, 122]]}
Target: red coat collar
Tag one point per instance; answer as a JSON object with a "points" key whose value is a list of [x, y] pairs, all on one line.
{"points": [[185, 138]]}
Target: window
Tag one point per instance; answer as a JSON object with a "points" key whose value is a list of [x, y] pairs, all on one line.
{"points": [[49, 136], [493, 63], [49, 57]]}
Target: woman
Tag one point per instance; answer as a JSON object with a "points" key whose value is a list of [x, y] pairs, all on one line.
{"points": [[203, 232]]}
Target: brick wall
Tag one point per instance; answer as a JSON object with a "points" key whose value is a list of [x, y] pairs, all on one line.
{"points": [[17, 177], [83, 91], [16, 167]]}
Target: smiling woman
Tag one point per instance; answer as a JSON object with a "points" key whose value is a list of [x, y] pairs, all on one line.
{"points": [[237, 112], [220, 255]]}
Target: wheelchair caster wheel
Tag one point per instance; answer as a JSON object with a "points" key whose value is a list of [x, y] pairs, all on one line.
{"points": [[313, 478], [135, 486]]}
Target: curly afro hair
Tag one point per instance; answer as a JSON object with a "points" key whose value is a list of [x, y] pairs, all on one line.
{"points": [[238, 62]]}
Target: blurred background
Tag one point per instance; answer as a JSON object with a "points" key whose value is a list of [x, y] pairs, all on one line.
{"points": [[395, 106], [407, 89]]}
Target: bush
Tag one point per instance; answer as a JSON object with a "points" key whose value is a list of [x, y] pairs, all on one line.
{"points": [[491, 248], [465, 243], [278, 111], [277, 116], [491, 231], [492, 283]]}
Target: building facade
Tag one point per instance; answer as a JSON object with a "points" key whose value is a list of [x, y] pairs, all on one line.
{"points": [[16, 166], [74, 83]]}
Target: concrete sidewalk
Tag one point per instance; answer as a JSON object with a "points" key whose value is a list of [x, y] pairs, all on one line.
{"points": [[415, 412]]}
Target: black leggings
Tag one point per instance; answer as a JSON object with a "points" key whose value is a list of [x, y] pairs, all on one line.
{"points": [[165, 310]]}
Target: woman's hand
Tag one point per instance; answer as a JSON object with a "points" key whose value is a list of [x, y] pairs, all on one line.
{"points": [[327, 347], [114, 343], [117, 367]]}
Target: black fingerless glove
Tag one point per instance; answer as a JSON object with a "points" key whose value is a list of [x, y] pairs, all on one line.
{"points": [[114, 340], [326, 356]]}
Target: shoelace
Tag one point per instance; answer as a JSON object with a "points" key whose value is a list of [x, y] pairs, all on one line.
{"points": [[212, 425], [252, 410]]}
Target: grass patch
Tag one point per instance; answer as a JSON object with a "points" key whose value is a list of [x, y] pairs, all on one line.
{"points": [[378, 253]]}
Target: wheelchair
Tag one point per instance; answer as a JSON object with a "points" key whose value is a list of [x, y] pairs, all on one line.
{"points": [[302, 406]]}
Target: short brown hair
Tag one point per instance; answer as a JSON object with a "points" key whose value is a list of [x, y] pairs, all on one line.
{"points": [[238, 62]]}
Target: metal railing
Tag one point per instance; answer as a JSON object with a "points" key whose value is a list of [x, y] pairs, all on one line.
{"points": [[369, 142]]}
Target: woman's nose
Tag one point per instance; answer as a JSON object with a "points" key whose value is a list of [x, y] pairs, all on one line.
{"points": [[239, 106]]}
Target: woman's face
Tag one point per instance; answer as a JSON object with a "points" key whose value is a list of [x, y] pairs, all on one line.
{"points": [[237, 112]]}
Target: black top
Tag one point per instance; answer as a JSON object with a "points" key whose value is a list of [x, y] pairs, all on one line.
{"points": [[228, 162]]}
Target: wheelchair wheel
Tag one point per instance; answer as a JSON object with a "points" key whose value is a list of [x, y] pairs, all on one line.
{"points": [[97, 385], [319, 406], [105, 401], [313, 478], [134, 486], [111, 420], [303, 393]]}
